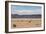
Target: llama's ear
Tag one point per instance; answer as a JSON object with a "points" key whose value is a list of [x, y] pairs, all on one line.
{"points": [[14, 25]]}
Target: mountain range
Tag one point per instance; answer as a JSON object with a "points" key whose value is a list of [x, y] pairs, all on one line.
{"points": [[25, 16]]}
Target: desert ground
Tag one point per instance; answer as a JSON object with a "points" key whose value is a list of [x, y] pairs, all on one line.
{"points": [[25, 22]]}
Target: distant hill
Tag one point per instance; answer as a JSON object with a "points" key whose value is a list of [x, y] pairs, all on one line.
{"points": [[26, 16]]}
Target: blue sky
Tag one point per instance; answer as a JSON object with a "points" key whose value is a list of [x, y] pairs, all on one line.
{"points": [[34, 9]]}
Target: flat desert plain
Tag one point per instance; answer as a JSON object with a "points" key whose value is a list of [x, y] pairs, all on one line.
{"points": [[25, 22]]}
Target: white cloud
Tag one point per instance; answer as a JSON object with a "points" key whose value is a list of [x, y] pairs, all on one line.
{"points": [[25, 12]]}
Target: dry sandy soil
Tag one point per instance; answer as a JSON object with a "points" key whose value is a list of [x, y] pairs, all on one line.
{"points": [[25, 22]]}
